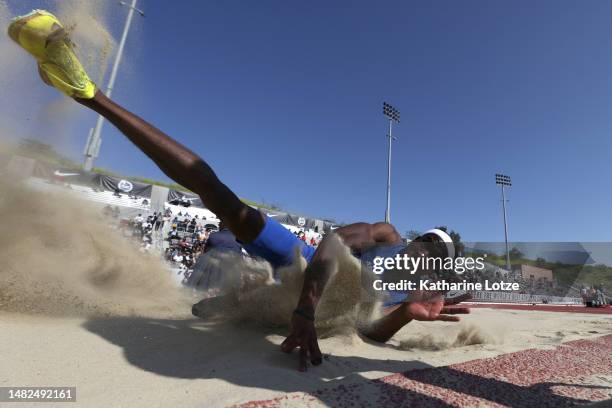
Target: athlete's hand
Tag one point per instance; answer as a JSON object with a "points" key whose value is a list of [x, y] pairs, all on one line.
{"points": [[430, 308], [304, 336]]}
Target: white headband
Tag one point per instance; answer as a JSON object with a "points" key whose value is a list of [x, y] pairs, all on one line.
{"points": [[450, 246]]}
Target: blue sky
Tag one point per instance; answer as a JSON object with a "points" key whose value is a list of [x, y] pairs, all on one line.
{"points": [[284, 98]]}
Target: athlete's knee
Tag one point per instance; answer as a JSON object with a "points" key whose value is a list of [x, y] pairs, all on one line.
{"points": [[356, 235], [362, 230], [384, 232]]}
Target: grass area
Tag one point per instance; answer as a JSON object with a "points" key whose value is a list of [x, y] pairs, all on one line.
{"points": [[45, 153]]}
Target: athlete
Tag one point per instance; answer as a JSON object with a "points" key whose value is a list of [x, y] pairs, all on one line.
{"points": [[42, 35]]}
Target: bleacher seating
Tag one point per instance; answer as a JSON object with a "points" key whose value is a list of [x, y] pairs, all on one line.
{"points": [[202, 213]]}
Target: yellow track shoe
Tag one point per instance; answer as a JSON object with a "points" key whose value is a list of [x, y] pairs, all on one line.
{"points": [[41, 34]]}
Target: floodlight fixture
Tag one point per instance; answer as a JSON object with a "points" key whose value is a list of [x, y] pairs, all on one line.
{"points": [[503, 180], [390, 112]]}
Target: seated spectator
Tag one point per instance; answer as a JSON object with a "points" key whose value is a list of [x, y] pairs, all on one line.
{"points": [[184, 244], [191, 226], [173, 234]]}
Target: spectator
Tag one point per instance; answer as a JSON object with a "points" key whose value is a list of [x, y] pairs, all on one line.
{"points": [[184, 244], [158, 221], [166, 219], [173, 234]]}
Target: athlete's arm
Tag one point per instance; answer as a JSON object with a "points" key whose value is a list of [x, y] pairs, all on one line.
{"points": [[183, 166], [303, 333], [425, 307], [317, 274]]}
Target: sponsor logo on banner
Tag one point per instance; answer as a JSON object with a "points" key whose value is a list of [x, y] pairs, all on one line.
{"points": [[125, 185], [301, 221]]}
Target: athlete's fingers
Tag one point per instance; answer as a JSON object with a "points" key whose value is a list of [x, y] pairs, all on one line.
{"points": [[289, 344], [458, 299], [316, 357], [303, 356], [448, 318], [455, 310]]}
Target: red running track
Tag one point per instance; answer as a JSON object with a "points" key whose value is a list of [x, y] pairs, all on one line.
{"points": [[564, 377], [544, 308]]}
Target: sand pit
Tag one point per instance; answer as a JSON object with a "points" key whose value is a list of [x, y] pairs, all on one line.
{"points": [[86, 309], [80, 307], [136, 361]]}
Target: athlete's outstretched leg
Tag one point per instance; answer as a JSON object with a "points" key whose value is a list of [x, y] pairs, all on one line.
{"points": [[42, 35], [183, 166]]}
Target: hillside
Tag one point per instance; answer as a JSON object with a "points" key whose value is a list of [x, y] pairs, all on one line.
{"points": [[45, 153], [565, 274]]}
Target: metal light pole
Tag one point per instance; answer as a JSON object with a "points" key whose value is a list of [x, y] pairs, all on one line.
{"points": [[504, 181], [92, 147], [394, 116]]}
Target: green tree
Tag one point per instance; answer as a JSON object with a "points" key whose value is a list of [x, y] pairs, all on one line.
{"points": [[515, 254], [412, 234]]}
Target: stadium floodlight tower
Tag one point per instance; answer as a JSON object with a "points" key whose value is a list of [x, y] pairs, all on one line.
{"points": [[394, 116], [92, 147], [504, 181]]}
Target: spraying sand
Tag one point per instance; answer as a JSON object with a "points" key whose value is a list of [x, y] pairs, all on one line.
{"points": [[253, 296], [59, 257]]}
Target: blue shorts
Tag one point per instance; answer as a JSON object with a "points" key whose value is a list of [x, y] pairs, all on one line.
{"points": [[392, 297], [276, 244]]}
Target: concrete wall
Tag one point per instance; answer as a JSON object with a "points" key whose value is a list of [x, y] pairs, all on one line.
{"points": [[527, 271], [159, 195]]}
